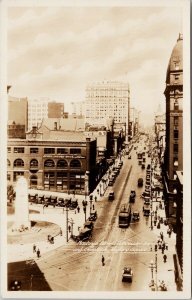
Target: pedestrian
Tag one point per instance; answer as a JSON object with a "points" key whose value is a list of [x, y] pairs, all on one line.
{"points": [[69, 228], [38, 253], [164, 258], [103, 260], [93, 207], [97, 191], [162, 249], [78, 209], [95, 198], [34, 248], [61, 233]]}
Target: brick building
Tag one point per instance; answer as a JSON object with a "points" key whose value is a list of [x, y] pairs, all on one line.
{"points": [[53, 160]]}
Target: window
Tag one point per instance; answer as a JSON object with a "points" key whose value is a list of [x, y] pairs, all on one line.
{"points": [[176, 105], [33, 163], [62, 151], [176, 134], [8, 163], [176, 77], [176, 121], [49, 163], [175, 148], [75, 163], [62, 164], [34, 150], [75, 151], [8, 177], [49, 150], [18, 163], [9, 149], [19, 150], [17, 174]]}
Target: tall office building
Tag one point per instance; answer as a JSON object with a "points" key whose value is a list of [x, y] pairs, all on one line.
{"points": [[174, 111], [78, 108], [108, 99], [43, 108], [17, 112]]}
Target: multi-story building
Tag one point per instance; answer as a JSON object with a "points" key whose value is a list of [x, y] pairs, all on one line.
{"points": [[78, 108], [108, 99], [53, 160], [17, 112], [179, 230], [43, 108], [160, 129], [173, 158]]}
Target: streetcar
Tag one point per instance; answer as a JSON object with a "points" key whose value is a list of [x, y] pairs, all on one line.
{"points": [[124, 215]]}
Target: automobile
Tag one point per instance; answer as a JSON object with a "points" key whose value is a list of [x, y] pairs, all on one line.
{"points": [[47, 199], [74, 204], [148, 167], [132, 196], [121, 163], [146, 211], [147, 200], [32, 197], [40, 199], [84, 234], [93, 216], [129, 157], [127, 274], [110, 183], [135, 216], [89, 224], [140, 182], [111, 196], [143, 166], [60, 202], [67, 202]]}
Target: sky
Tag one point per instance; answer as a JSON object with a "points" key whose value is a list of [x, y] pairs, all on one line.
{"points": [[56, 51]]}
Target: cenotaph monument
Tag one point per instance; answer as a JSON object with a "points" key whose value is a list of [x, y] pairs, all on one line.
{"points": [[21, 206]]}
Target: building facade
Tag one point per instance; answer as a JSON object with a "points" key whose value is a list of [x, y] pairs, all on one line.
{"points": [[78, 108], [173, 157], [108, 99], [43, 108], [53, 160], [18, 112]]}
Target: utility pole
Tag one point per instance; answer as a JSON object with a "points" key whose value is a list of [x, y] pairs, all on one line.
{"points": [[67, 224]]}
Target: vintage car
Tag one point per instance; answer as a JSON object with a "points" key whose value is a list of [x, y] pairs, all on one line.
{"points": [[111, 196], [127, 274], [135, 216], [132, 196], [60, 202], [74, 204], [84, 234], [140, 182], [89, 224], [93, 216]]}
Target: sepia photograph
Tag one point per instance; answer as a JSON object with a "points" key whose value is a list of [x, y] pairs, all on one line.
{"points": [[95, 135]]}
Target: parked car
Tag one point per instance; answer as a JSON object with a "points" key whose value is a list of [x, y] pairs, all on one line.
{"points": [[111, 196], [132, 196], [40, 199], [129, 157], [67, 202], [140, 182], [84, 234], [89, 224], [74, 204], [127, 274], [143, 166], [135, 216], [33, 197], [110, 183], [93, 216], [60, 202]]}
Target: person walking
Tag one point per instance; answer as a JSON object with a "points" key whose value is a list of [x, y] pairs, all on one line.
{"points": [[34, 248], [78, 209], [38, 253], [164, 258], [93, 207], [95, 198], [103, 260]]}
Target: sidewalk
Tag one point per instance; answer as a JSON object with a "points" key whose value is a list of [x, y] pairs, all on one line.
{"points": [[19, 252]]}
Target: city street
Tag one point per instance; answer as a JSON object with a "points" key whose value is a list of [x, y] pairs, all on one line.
{"points": [[78, 267]]}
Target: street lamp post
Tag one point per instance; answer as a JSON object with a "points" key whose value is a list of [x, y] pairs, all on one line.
{"points": [[90, 200], [84, 202], [152, 266]]}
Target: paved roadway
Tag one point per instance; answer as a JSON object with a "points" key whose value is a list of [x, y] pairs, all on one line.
{"points": [[78, 267]]}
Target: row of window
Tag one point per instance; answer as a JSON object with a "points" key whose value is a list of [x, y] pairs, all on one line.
{"points": [[49, 163], [46, 150]]}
